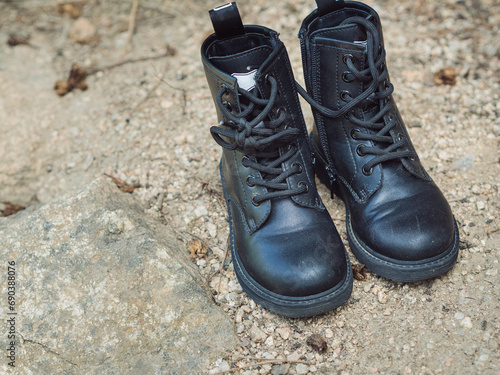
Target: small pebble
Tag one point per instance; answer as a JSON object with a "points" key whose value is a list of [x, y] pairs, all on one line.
{"points": [[224, 366], [302, 369], [466, 322]]}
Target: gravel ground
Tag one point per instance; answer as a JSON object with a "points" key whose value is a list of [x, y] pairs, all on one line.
{"points": [[148, 123]]}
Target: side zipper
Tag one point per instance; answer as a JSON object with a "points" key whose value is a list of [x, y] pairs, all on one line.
{"points": [[332, 178]]}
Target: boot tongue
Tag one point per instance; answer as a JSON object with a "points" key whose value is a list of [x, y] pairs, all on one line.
{"points": [[243, 65], [352, 37]]}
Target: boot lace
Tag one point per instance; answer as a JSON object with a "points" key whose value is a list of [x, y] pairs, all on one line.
{"points": [[378, 88], [258, 131]]}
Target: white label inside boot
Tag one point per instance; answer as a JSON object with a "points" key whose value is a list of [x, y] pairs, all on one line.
{"points": [[246, 80]]}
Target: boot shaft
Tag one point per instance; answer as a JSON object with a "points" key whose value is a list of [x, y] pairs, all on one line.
{"points": [[358, 128], [260, 121]]}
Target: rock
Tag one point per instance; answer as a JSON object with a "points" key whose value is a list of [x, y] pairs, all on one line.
{"points": [[200, 211], [224, 366], [284, 332], [467, 162], [382, 297], [269, 342], [459, 316], [281, 369], [82, 31], [302, 369], [106, 289], [466, 322], [295, 356], [257, 335]]}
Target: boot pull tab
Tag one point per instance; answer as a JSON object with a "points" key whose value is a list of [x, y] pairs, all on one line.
{"points": [[328, 6], [226, 21]]}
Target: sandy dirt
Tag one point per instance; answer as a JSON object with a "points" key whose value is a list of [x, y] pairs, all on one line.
{"points": [[147, 123]]}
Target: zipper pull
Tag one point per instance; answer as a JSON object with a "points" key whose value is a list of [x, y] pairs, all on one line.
{"points": [[331, 176]]}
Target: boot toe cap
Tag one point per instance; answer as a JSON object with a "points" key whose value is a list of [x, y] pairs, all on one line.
{"points": [[413, 229], [295, 254]]}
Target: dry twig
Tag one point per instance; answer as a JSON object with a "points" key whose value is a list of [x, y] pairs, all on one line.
{"points": [[122, 185], [78, 73], [153, 89], [262, 361], [131, 25]]}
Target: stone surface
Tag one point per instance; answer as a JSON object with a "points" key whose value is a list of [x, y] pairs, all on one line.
{"points": [[103, 288]]}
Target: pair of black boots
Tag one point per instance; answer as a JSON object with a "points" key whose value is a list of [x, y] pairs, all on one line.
{"points": [[286, 251]]}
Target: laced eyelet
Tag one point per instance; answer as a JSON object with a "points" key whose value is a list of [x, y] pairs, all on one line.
{"points": [[228, 105], [367, 172], [302, 183], [354, 133], [298, 166], [359, 152], [248, 180], [243, 159], [348, 56], [279, 111], [256, 204], [266, 79], [400, 136], [344, 76], [344, 94]]}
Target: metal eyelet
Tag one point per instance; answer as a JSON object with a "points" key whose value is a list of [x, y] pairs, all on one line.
{"points": [[344, 76], [266, 79], [344, 94], [248, 182], [367, 172], [228, 105], [400, 137], [256, 204], [279, 111], [348, 56], [354, 133], [299, 167], [302, 183], [243, 160], [359, 152]]}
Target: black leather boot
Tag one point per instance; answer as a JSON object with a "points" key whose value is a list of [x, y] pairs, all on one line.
{"points": [[286, 251], [398, 222]]}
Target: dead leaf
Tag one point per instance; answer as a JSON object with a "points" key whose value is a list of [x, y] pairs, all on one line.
{"points": [[122, 185], [360, 272], [76, 79], [197, 249], [10, 209], [317, 342], [15, 40], [446, 76], [171, 51], [72, 9]]}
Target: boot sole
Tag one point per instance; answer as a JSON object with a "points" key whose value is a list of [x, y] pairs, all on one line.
{"points": [[291, 307], [392, 269]]}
